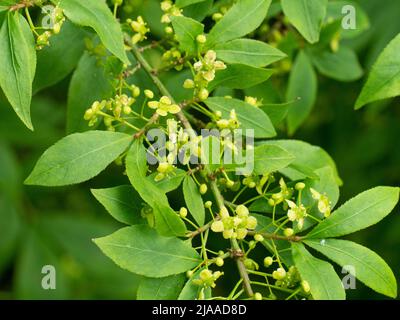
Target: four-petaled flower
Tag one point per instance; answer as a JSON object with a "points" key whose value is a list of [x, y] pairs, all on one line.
{"points": [[164, 106], [296, 213]]}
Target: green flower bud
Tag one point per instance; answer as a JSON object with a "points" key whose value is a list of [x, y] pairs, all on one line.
{"points": [[219, 262], [217, 226], [271, 202], [88, 114], [183, 212], [127, 110], [203, 94], [257, 296], [299, 186], [268, 261], [168, 30], [230, 183], [252, 244], [208, 204], [305, 286], [149, 94], [203, 188], [189, 273], [242, 211], [279, 274], [57, 28], [135, 91], [189, 84], [258, 237], [201, 38], [288, 232], [217, 16]]}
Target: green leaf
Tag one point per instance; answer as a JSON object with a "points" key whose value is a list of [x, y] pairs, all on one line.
{"points": [[302, 88], [240, 76], [244, 17], [277, 112], [384, 79], [249, 117], [89, 83], [18, 64], [143, 251], [167, 288], [186, 31], [334, 12], [167, 222], [370, 269], [342, 65], [270, 158], [122, 202], [78, 157], [306, 16], [185, 3], [309, 158], [169, 183], [83, 258], [250, 52], [322, 278], [358, 213], [61, 57], [191, 290], [193, 200], [97, 15], [198, 11]]}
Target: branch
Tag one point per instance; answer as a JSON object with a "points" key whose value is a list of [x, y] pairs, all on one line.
{"points": [[213, 185], [21, 5]]}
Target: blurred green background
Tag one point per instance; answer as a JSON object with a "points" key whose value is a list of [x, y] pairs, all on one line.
{"points": [[41, 226]]}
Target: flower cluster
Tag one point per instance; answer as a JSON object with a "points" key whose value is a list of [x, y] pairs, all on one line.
{"points": [[169, 9], [231, 123], [234, 227], [111, 110], [140, 29], [258, 182], [288, 279], [207, 278], [205, 70], [57, 21], [173, 57], [164, 106], [284, 194]]}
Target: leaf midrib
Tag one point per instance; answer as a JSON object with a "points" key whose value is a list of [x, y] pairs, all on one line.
{"points": [[245, 17], [359, 260], [334, 224], [151, 251], [65, 163]]}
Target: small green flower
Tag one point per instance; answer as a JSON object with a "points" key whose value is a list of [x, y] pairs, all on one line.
{"points": [[296, 213], [140, 29], [164, 106], [324, 205]]}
